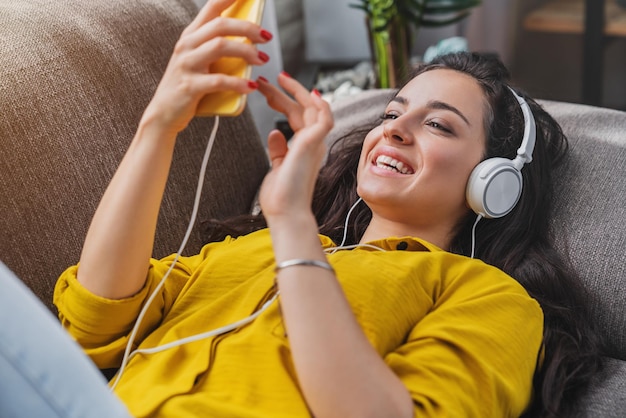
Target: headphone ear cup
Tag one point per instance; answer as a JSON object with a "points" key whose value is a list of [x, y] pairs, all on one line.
{"points": [[494, 188]]}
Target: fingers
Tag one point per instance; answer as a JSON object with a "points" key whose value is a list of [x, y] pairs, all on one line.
{"points": [[310, 103], [276, 147], [295, 89], [226, 27], [201, 85], [288, 187], [224, 37], [281, 102], [304, 109], [211, 21], [201, 59], [211, 36], [275, 97], [211, 10], [298, 108], [324, 116], [193, 63], [318, 122], [203, 45]]}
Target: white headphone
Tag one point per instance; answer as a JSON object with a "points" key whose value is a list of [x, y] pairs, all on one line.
{"points": [[495, 185]]}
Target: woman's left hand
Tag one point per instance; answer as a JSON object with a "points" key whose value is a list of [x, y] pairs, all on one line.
{"points": [[288, 188]]}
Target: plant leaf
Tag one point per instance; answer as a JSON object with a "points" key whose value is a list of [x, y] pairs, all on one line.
{"points": [[360, 7]]}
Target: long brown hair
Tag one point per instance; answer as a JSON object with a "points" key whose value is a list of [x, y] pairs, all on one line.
{"points": [[521, 243]]}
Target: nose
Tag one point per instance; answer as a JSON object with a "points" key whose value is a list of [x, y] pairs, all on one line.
{"points": [[397, 131]]}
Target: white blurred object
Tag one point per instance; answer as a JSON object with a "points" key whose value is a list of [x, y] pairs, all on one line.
{"points": [[336, 85], [445, 46]]}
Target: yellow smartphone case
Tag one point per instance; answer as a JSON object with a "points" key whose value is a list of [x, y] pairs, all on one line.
{"points": [[231, 103]]}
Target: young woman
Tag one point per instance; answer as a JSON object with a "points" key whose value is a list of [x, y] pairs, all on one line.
{"points": [[404, 322]]}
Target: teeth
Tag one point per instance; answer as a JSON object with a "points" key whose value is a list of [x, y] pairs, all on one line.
{"points": [[391, 164]]}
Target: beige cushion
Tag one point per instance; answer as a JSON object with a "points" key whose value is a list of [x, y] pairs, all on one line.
{"points": [[76, 76]]}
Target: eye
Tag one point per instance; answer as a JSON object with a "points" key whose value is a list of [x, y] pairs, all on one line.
{"points": [[438, 126], [389, 116]]}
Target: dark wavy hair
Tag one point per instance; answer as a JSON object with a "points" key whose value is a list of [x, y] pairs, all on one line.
{"points": [[520, 243]]}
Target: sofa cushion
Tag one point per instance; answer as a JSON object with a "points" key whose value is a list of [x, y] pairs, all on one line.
{"points": [[606, 397], [76, 76]]}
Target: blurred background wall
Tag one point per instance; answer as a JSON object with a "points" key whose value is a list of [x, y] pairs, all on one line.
{"points": [[547, 65]]}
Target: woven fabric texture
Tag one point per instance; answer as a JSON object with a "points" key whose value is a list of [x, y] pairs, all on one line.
{"points": [[75, 78], [590, 211]]}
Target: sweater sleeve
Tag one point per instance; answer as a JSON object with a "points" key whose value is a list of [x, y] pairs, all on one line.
{"points": [[474, 354], [102, 326]]}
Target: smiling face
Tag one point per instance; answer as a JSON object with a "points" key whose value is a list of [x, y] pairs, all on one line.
{"points": [[414, 167]]}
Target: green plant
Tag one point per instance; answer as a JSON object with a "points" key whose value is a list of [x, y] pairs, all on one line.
{"points": [[393, 24]]}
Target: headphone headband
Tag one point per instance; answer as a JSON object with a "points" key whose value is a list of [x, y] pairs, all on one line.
{"points": [[525, 151]]}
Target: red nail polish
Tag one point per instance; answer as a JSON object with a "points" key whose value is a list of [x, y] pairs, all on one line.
{"points": [[266, 35], [263, 56], [263, 79], [253, 84], [286, 74], [317, 93]]}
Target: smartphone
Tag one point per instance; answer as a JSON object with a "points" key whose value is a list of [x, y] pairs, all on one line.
{"points": [[231, 103]]}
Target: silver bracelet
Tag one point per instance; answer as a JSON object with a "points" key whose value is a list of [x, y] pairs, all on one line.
{"points": [[304, 262]]}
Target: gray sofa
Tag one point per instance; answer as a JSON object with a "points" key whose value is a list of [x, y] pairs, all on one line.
{"points": [[75, 76]]}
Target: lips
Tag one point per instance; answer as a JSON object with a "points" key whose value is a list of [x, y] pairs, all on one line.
{"points": [[387, 162]]}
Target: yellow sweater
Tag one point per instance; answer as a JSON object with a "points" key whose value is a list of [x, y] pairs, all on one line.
{"points": [[463, 336]]}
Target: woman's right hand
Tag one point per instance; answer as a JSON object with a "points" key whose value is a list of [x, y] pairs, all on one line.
{"points": [[117, 250], [187, 78]]}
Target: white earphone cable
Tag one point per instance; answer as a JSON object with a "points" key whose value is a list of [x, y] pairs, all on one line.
{"points": [[208, 334], [478, 218], [345, 226], [194, 213]]}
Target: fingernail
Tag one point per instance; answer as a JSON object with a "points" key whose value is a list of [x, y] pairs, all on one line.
{"points": [[266, 35], [263, 79], [263, 56], [253, 84], [286, 74], [317, 93]]}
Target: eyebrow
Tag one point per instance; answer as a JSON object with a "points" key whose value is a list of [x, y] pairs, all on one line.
{"points": [[435, 104]]}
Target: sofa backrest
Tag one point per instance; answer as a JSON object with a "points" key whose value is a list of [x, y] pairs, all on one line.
{"points": [[590, 203], [590, 210], [75, 76]]}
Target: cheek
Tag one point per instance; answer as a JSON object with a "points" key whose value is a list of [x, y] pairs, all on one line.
{"points": [[360, 167], [454, 167], [368, 143]]}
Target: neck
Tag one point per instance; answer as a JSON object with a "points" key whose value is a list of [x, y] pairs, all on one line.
{"points": [[380, 228]]}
